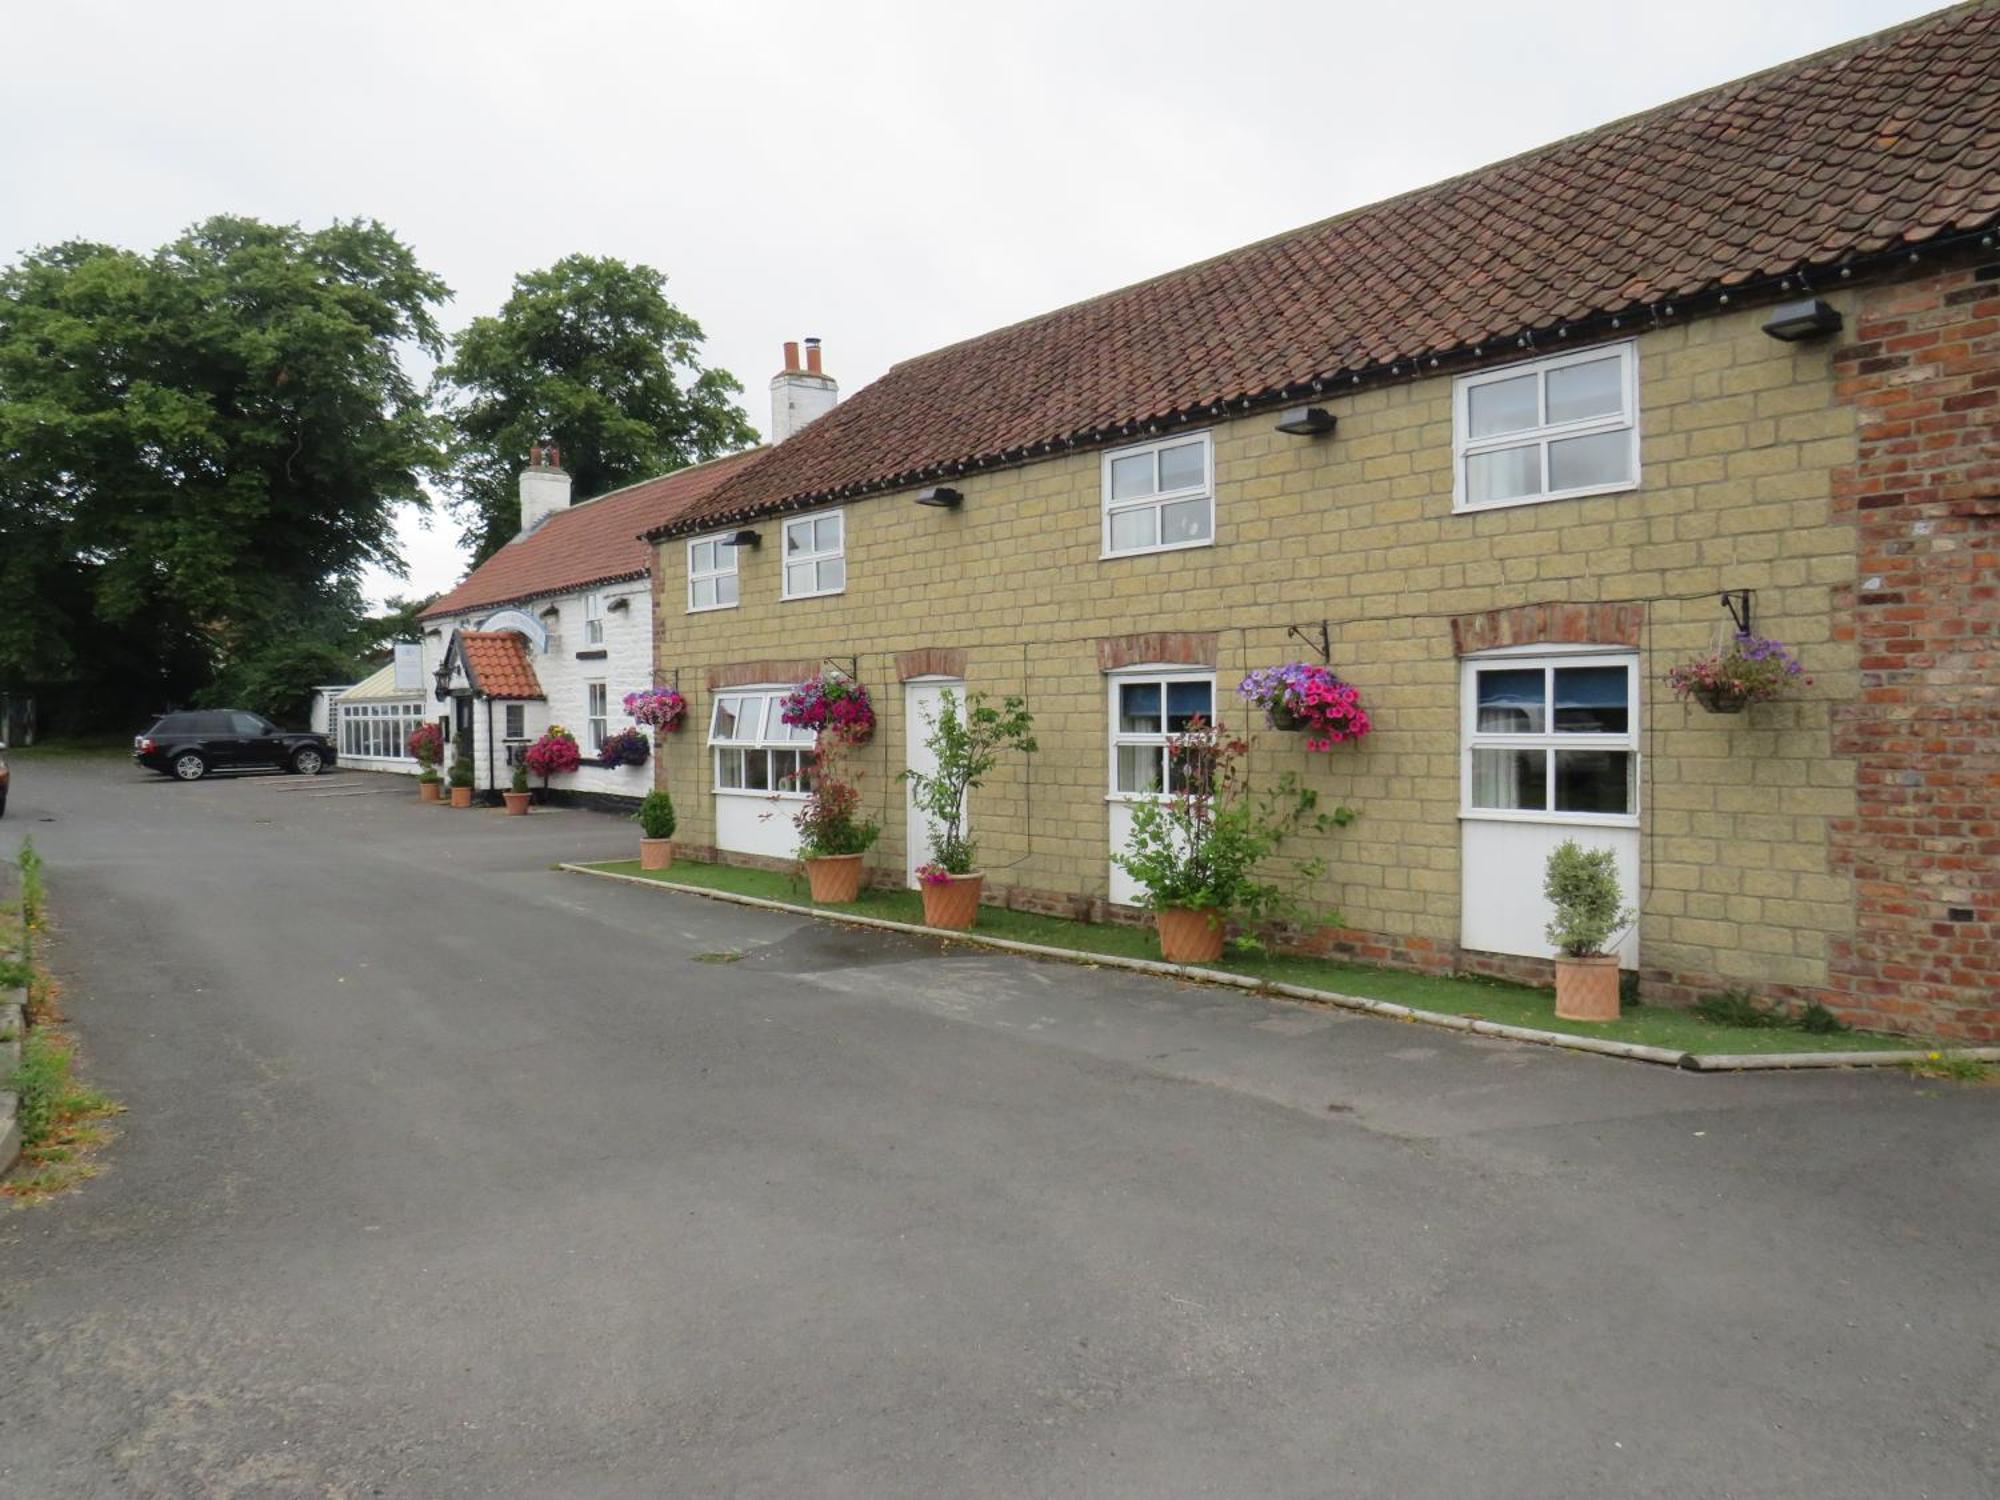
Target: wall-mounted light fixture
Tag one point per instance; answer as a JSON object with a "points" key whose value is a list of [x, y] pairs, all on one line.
{"points": [[1308, 421], [1809, 318], [621, 602], [743, 538], [942, 496]]}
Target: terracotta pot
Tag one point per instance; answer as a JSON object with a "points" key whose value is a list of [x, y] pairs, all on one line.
{"points": [[517, 803], [835, 878], [1720, 700], [430, 791], [655, 854], [955, 902], [1587, 988], [1189, 935]]}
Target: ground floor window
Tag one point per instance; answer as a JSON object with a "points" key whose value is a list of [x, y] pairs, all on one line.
{"points": [[379, 731], [1145, 711], [597, 713], [1552, 738], [517, 721], [754, 750]]}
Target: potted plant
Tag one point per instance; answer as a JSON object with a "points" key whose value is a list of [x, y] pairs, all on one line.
{"points": [[628, 747], [426, 744], [1305, 696], [660, 709], [655, 818], [1582, 885], [1200, 854], [461, 775], [1753, 669], [554, 754], [517, 796], [833, 706], [964, 748], [832, 833]]}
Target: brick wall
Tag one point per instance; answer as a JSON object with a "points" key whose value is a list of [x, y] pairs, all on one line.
{"points": [[1922, 367]]}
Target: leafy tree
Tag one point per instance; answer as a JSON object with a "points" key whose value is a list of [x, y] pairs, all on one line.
{"points": [[591, 355], [201, 448]]}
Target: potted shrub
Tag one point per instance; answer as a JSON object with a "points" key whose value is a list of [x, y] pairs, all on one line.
{"points": [[517, 796], [1201, 854], [1305, 696], [965, 748], [1753, 669], [426, 744], [832, 706], [461, 775], [655, 818], [832, 833], [1582, 885], [554, 754], [628, 747]]}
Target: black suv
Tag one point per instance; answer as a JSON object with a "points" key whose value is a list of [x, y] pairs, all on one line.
{"points": [[188, 746]]}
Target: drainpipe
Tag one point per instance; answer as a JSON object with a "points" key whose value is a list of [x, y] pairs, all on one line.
{"points": [[490, 782]]}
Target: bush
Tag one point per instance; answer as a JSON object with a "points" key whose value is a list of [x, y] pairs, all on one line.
{"points": [[461, 768], [830, 822], [655, 816], [1582, 885], [965, 748], [520, 781]]}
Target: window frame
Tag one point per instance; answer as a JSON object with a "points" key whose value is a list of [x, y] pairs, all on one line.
{"points": [[1548, 659], [364, 729], [593, 619], [1465, 447], [1159, 499], [769, 738], [510, 714], [597, 726], [786, 562], [713, 574], [1163, 675]]}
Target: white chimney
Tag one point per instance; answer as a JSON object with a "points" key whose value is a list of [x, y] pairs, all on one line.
{"points": [[798, 396], [544, 486]]}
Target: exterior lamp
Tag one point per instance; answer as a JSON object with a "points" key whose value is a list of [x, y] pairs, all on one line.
{"points": [[1308, 421], [1806, 319], [941, 496], [743, 538]]}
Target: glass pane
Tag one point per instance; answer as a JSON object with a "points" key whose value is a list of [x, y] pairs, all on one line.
{"points": [[1183, 468], [798, 536], [1509, 779], [1502, 406], [701, 557], [1184, 521], [1185, 700], [1134, 528], [729, 768], [1139, 708], [726, 711], [725, 588], [833, 574], [1587, 390], [1139, 768], [1132, 477], [1510, 702], [1601, 458], [701, 594], [826, 534], [1505, 475], [799, 579], [1594, 781], [1591, 700], [246, 724], [757, 770]]}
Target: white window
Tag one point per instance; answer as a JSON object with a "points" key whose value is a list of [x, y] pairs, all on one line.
{"points": [[755, 751], [1552, 739], [815, 555], [711, 574], [1145, 710], [597, 713], [379, 731], [593, 619], [1160, 496], [1546, 430], [517, 721]]}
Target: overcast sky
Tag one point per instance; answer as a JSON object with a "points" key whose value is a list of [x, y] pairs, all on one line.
{"points": [[888, 177]]}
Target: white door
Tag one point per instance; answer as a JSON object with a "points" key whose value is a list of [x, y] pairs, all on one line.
{"points": [[921, 696]]}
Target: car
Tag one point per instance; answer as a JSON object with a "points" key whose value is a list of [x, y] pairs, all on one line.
{"points": [[187, 746]]}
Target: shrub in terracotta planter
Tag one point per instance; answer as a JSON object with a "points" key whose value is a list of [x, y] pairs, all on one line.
{"points": [[964, 748], [833, 833], [426, 746], [461, 777], [430, 787], [1582, 885], [1201, 854], [517, 796], [656, 821]]}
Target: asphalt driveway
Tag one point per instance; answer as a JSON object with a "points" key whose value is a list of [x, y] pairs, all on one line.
{"points": [[449, 1175]]}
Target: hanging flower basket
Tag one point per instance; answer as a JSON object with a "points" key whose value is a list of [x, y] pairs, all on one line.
{"points": [[1304, 696], [830, 705], [1754, 669], [628, 747], [661, 709]]}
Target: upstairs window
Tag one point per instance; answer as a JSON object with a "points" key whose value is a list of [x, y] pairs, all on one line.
{"points": [[754, 750], [815, 555], [1160, 496], [1548, 430], [711, 574], [593, 619]]}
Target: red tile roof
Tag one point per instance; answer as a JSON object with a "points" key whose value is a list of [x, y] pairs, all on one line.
{"points": [[1889, 141], [498, 664], [593, 541]]}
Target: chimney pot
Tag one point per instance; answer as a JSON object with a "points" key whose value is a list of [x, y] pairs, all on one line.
{"points": [[798, 395], [791, 354], [812, 357]]}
